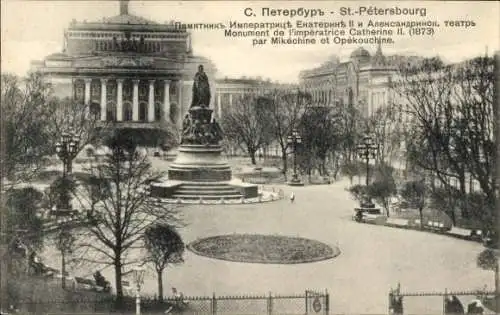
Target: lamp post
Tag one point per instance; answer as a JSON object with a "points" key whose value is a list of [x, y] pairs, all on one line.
{"points": [[295, 140], [138, 279], [367, 151], [66, 150], [64, 244]]}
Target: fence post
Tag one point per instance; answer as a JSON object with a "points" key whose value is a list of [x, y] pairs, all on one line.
{"points": [[327, 302], [497, 287], [270, 304], [445, 299], [390, 302], [307, 306], [214, 304]]}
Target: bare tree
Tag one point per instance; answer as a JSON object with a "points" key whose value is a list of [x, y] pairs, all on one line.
{"points": [[351, 169], [75, 116], [119, 209], [25, 120], [353, 126], [165, 246], [247, 124], [321, 132], [285, 109], [33, 120], [488, 260], [451, 112], [414, 194], [383, 187], [387, 128]]}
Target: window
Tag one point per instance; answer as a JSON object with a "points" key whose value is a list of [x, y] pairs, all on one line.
{"points": [[158, 112]]}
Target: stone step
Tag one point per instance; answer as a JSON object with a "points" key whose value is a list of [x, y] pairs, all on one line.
{"points": [[207, 197], [200, 188], [206, 183], [206, 192]]}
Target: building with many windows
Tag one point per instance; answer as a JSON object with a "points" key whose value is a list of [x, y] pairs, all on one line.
{"points": [[230, 90], [135, 72], [363, 80]]}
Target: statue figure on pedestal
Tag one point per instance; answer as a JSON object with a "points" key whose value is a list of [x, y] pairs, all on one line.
{"points": [[198, 126], [186, 128], [201, 89], [216, 131]]}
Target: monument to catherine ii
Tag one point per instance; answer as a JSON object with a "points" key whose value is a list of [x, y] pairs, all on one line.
{"points": [[200, 171]]}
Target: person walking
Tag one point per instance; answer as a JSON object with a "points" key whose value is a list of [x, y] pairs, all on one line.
{"points": [[292, 197]]}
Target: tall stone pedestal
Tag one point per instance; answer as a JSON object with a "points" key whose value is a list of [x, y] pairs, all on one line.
{"points": [[200, 171], [199, 163]]}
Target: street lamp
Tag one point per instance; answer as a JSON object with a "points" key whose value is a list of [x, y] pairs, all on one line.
{"points": [[64, 244], [139, 280], [367, 151], [66, 150], [295, 140]]}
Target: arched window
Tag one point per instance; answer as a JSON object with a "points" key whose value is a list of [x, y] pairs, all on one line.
{"points": [[350, 94], [143, 111], [95, 90], [173, 112], [158, 111], [111, 111], [95, 110], [111, 90], [127, 111], [79, 90], [127, 90]]}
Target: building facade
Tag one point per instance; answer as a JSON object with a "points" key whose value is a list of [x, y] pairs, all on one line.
{"points": [[231, 90], [362, 81], [136, 72]]}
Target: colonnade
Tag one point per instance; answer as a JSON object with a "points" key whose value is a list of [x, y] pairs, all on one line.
{"points": [[152, 104]]}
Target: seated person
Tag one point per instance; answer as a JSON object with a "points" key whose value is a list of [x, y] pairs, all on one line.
{"points": [[453, 306], [475, 307], [178, 296], [101, 281], [36, 264]]}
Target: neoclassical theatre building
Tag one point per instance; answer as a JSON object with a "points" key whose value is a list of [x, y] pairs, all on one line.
{"points": [[363, 80], [137, 71]]}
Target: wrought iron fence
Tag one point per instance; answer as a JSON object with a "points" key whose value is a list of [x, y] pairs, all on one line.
{"points": [[445, 302], [309, 302]]}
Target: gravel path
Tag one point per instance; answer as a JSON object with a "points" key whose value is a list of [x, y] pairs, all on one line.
{"points": [[373, 258]]}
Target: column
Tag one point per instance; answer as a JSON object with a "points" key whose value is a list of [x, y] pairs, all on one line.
{"points": [[219, 106], [119, 100], [166, 100], [370, 101], [135, 101], [231, 99], [178, 119], [151, 101], [103, 99], [87, 90], [213, 91]]}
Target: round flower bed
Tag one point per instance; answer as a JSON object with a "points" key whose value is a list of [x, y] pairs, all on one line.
{"points": [[264, 249]]}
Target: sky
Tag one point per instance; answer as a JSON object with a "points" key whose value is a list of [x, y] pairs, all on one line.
{"points": [[31, 30]]}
